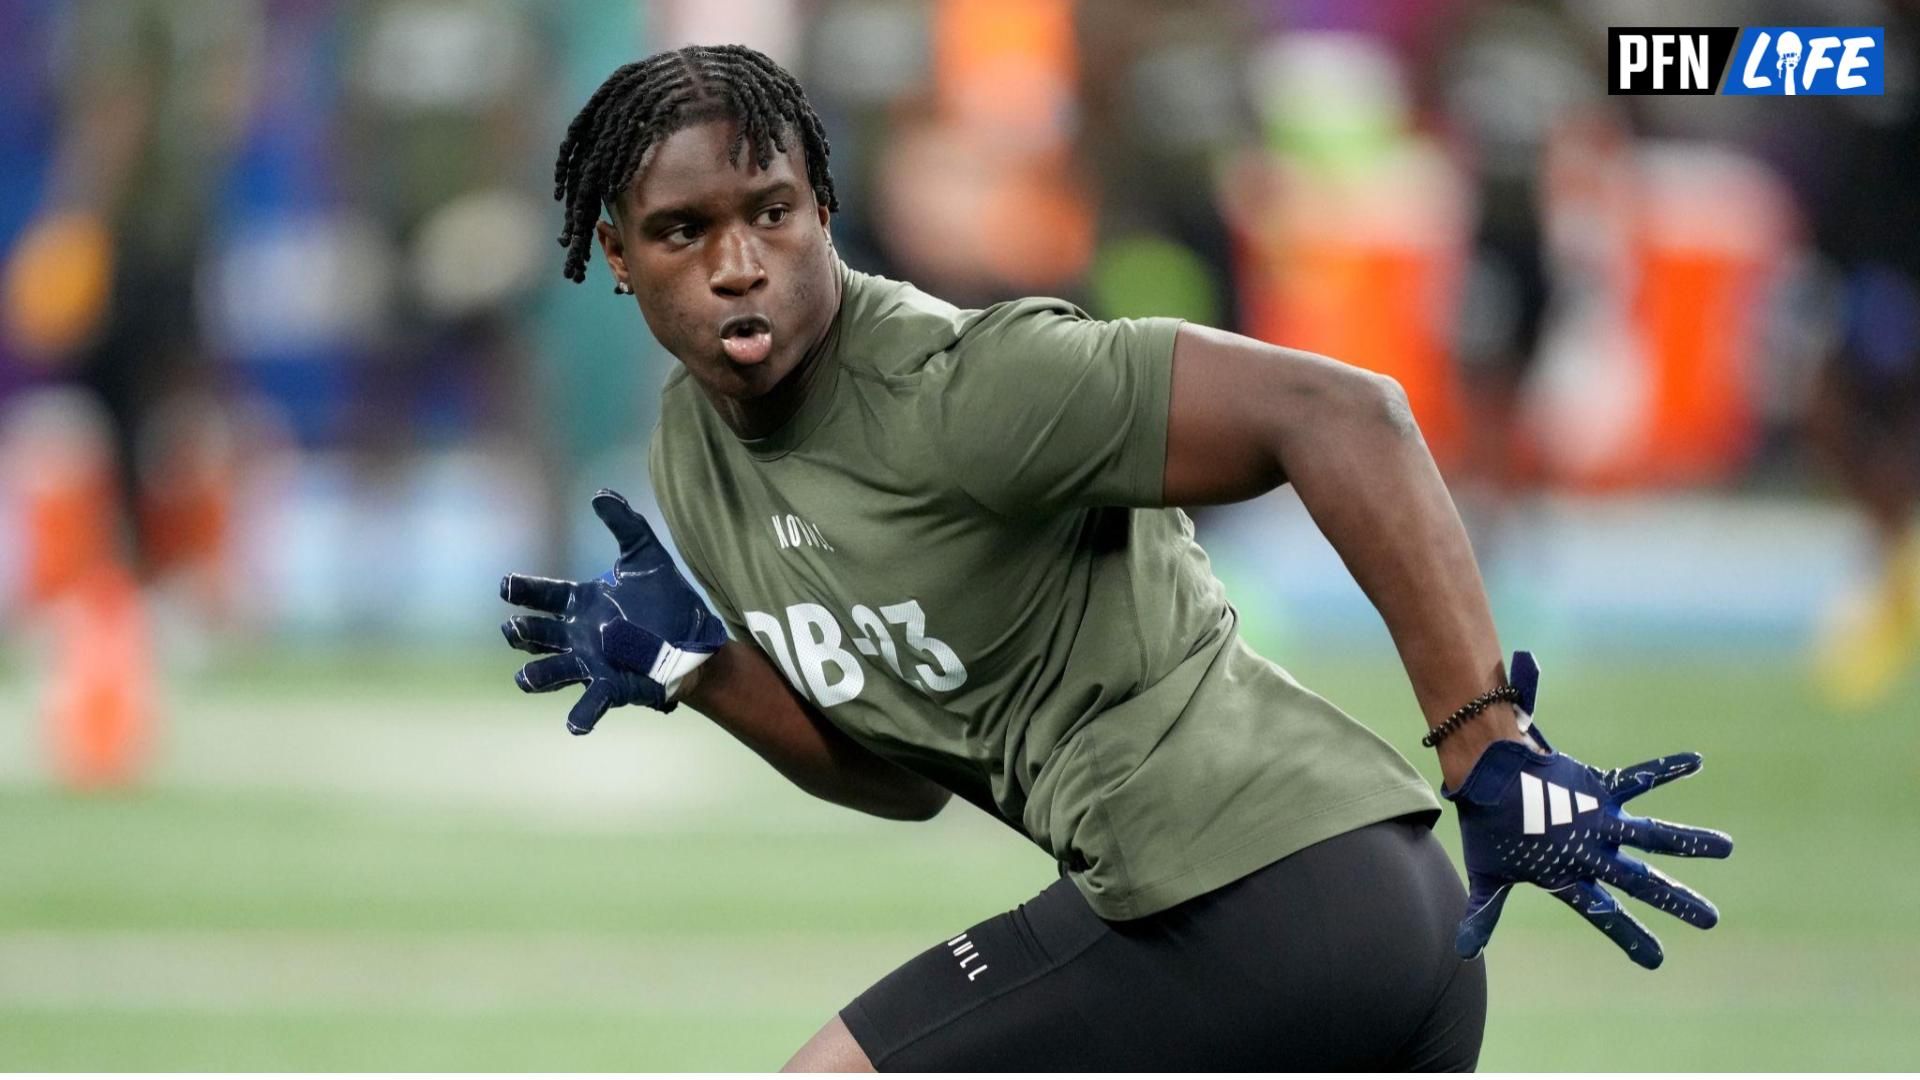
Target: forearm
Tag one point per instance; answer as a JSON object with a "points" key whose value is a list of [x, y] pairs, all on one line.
{"points": [[1368, 480], [740, 691]]}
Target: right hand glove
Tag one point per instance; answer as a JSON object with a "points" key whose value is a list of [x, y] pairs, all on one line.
{"points": [[630, 635], [1546, 819]]}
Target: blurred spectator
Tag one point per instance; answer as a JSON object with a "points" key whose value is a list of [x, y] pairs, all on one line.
{"points": [[100, 284], [1510, 81], [1156, 119], [302, 247], [1865, 414]]}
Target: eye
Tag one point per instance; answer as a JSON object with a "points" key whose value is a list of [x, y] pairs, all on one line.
{"points": [[773, 215], [681, 235]]}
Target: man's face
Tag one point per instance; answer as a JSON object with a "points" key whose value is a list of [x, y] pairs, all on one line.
{"points": [[731, 265]]}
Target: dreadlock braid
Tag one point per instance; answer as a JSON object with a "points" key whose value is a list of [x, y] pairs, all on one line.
{"points": [[577, 134], [642, 103]]}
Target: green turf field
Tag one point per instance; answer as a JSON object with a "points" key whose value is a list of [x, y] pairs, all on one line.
{"points": [[351, 864]]}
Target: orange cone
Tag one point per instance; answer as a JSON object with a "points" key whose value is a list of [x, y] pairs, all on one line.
{"points": [[59, 470], [101, 703]]}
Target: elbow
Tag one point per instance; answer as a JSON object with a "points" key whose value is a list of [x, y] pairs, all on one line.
{"points": [[1321, 398], [1342, 408], [894, 801], [924, 805], [1350, 413], [926, 811], [1385, 404]]}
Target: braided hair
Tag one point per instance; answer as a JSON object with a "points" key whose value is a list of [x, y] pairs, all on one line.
{"points": [[642, 103]]}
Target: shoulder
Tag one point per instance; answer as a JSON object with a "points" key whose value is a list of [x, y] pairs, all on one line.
{"points": [[1010, 336], [891, 329], [1017, 318], [1043, 342], [1038, 407]]}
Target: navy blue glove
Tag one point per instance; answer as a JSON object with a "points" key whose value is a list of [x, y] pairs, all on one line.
{"points": [[630, 635], [1548, 820]]}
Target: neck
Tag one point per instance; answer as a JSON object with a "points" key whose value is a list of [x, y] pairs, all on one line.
{"points": [[758, 417]]}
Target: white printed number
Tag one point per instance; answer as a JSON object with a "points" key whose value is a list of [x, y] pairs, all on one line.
{"points": [[809, 649]]}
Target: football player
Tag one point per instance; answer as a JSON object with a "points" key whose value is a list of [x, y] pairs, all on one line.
{"points": [[946, 555]]}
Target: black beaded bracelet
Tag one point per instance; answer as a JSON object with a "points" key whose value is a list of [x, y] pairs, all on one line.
{"points": [[1506, 692]]}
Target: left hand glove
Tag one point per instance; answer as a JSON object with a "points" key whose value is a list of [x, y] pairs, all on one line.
{"points": [[1548, 820], [631, 634]]}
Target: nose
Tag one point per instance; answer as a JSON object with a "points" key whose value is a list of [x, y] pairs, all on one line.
{"points": [[736, 270]]}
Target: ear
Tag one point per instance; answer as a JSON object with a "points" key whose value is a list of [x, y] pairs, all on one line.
{"points": [[614, 248]]}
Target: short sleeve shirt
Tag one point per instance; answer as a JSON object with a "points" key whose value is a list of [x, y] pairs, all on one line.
{"points": [[955, 550]]}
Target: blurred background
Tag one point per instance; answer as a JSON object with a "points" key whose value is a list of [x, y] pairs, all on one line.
{"points": [[289, 377]]}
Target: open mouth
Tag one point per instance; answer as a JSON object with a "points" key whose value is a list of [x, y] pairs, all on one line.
{"points": [[747, 339]]}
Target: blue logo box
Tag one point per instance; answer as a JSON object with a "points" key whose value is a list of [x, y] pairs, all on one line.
{"points": [[1809, 60]]}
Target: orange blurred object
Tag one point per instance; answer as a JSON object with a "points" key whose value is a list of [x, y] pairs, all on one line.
{"points": [[1005, 74], [69, 530], [1041, 188], [56, 285], [101, 703], [1715, 231], [60, 465], [1358, 265], [1655, 380], [1008, 66]]}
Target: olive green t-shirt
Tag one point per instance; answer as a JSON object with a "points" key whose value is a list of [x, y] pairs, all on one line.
{"points": [[954, 550]]}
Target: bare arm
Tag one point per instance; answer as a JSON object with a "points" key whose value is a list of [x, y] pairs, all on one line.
{"points": [[1247, 417], [740, 690]]}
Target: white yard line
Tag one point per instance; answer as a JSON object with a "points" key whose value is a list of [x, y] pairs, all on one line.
{"points": [[510, 758], [628, 973]]}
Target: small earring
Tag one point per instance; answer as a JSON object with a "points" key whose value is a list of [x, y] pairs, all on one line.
{"points": [[621, 288]]}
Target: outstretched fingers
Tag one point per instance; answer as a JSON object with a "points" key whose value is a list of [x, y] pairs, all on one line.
{"points": [[536, 634], [539, 593], [1598, 907], [1648, 885], [640, 551], [1636, 780], [551, 673], [1667, 838]]}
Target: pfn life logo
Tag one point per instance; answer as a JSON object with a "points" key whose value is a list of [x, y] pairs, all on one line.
{"points": [[1795, 60], [1783, 60]]}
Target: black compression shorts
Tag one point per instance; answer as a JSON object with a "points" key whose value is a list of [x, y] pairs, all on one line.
{"points": [[1339, 956]]}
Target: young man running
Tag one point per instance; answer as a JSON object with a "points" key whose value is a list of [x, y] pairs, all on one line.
{"points": [[946, 557]]}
